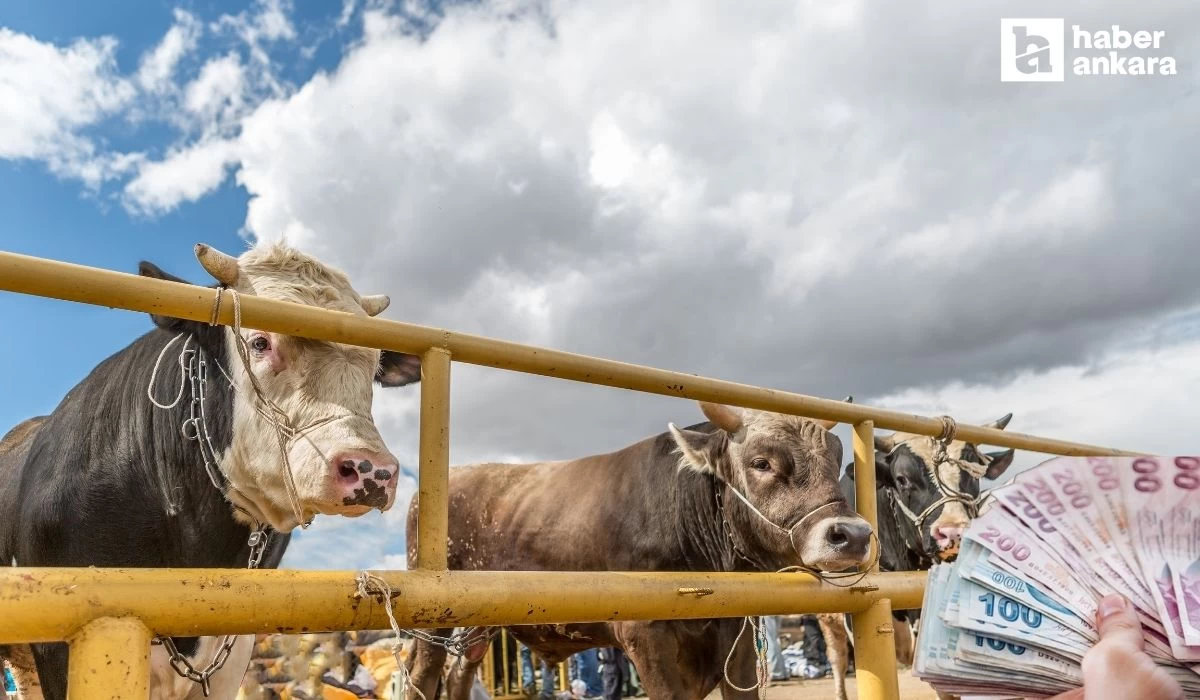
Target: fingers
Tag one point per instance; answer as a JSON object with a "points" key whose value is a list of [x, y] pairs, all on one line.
{"points": [[1118, 624]]}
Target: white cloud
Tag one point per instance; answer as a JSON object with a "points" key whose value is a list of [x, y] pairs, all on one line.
{"points": [[266, 23], [219, 89], [1134, 399], [51, 93], [183, 176], [158, 65], [747, 195], [347, 12]]}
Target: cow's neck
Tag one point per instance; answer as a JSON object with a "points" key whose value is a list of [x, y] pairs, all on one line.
{"points": [[897, 552], [148, 447], [699, 538], [686, 517]]}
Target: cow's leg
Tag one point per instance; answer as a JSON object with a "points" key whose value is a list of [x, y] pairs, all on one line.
{"points": [[654, 649], [24, 669], [837, 648], [904, 642], [461, 676], [425, 665]]}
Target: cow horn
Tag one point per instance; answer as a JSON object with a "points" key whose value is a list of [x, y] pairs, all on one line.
{"points": [[885, 443], [223, 268], [374, 304], [830, 424], [999, 423], [724, 417]]}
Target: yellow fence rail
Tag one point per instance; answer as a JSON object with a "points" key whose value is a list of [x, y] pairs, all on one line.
{"points": [[109, 615]]}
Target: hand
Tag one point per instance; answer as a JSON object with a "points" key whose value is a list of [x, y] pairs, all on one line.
{"points": [[1118, 667]]}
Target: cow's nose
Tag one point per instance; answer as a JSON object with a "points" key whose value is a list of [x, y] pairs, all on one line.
{"points": [[365, 478], [849, 535], [947, 536]]}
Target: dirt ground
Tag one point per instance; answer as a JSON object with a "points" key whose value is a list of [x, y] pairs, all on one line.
{"points": [[910, 689]]}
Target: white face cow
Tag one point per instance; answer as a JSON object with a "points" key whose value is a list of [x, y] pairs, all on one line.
{"points": [[323, 392], [786, 468]]}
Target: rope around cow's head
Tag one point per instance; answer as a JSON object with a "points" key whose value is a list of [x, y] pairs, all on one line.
{"points": [[830, 577], [971, 504]]}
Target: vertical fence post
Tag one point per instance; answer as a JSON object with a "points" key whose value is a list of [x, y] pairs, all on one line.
{"points": [[433, 491], [109, 660], [874, 643]]}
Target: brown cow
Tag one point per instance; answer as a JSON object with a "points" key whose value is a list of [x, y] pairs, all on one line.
{"points": [[672, 502]]}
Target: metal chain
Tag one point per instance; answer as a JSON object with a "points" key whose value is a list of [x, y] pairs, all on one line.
{"points": [[258, 545], [456, 644]]}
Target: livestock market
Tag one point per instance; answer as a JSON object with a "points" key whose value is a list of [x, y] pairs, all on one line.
{"points": [[563, 350]]}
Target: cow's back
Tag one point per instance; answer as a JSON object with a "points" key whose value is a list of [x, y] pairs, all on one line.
{"points": [[597, 513], [14, 447]]}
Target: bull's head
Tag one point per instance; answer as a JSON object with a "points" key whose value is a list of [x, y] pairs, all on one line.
{"points": [[907, 466], [338, 462], [786, 468]]}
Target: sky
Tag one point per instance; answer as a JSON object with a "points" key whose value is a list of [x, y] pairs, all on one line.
{"points": [[825, 196]]}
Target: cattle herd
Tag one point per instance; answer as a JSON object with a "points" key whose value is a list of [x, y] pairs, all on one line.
{"points": [[201, 445]]}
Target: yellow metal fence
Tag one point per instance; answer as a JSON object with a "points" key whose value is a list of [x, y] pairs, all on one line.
{"points": [[108, 616]]}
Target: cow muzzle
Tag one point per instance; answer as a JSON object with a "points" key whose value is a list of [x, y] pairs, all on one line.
{"points": [[837, 543], [363, 480]]}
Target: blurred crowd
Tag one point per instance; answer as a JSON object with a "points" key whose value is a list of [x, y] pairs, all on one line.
{"points": [[350, 665]]}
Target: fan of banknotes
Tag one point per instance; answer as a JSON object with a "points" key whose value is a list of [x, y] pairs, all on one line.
{"points": [[1014, 614]]}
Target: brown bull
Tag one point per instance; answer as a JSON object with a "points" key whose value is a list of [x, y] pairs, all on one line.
{"points": [[747, 491]]}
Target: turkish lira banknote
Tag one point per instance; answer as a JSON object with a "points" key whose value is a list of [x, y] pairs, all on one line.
{"points": [[1015, 613]]}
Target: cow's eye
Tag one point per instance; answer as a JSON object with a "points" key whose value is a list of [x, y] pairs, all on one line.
{"points": [[761, 464], [902, 482], [260, 344]]}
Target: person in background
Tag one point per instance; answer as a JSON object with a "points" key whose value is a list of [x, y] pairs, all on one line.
{"points": [[613, 671], [10, 683], [776, 665], [813, 645], [587, 669], [528, 680]]}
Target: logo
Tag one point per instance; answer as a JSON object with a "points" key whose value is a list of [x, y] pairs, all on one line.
{"points": [[1031, 50], [1034, 51]]}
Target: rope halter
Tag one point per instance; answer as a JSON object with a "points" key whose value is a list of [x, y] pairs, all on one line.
{"points": [[971, 504], [790, 534]]}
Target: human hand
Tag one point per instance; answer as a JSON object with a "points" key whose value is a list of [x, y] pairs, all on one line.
{"points": [[1118, 667]]}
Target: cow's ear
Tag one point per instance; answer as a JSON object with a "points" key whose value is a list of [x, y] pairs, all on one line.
{"points": [[998, 462], [883, 470], [701, 451], [167, 323], [398, 369]]}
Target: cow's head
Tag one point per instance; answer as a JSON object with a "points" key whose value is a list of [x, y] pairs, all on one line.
{"points": [[905, 466], [339, 464], [787, 470]]}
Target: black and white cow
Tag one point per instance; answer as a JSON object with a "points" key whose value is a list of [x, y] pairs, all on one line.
{"points": [[169, 454], [925, 502]]}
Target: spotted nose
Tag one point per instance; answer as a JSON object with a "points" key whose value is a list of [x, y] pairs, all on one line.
{"points": [[365, 478], [948, 539]]}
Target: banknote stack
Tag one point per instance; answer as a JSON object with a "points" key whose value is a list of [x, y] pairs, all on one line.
{"points": [[1014, 614]]}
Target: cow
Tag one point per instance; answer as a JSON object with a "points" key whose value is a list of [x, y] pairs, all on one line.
{"points": [[923, 508], [200, 446], [671, 502]]}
